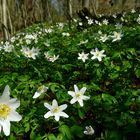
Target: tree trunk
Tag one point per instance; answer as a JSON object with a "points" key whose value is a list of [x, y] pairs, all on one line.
{"points": [[70, 7], [85, 3], [4, 20]]}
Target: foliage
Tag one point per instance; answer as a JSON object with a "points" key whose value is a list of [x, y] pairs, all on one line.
{"points": [[112, 84]]}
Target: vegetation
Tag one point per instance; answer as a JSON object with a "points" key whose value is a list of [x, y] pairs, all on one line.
{"points": [[101, 58]]}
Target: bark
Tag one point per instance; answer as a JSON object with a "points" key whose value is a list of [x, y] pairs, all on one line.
{"points": [[85, 3], [4, 20]]}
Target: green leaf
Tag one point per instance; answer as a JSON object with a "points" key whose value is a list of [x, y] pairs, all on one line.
{"points": [[137, 72], [77, 130], [108, 98], [64, 129], [51, 137], [81, 113], [60, 136]]}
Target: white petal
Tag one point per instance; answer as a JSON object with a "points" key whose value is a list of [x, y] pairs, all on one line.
{"points": [[71, 93], [57, 117], [63, 107], [6, 127], [45, 89], [83, 90], [48, 114], [102, 51], [76, 88], [48, 106], [14, 104], [0, 128], [93, 57], [54, 103], [85, 97], [99, 58], [6, 93], [14, 116], [85, 132], [73, 100], [96, 50], [80, 102], [63, 114], [36, 95]]}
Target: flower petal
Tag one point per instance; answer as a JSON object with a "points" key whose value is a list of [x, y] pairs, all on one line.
{"points": [[63, 107], [99, 58], [14, 116], [54, 103], [76, 88], [14, 104], [6, 93], [6, 127], [48, 114], [71, 93], [83, 90], [73, 100], [48, 106], [36, 95], [63, 114], [80, 102], [57, 117], [85, 97]]}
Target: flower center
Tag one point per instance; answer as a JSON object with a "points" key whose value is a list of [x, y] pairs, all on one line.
{"points": [[78, 94], [41, 88], [97, 53], [56, 110], [4, 111], [29, 54]]}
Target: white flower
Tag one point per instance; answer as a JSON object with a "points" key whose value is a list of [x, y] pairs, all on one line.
{"points": [[28, 41], [117, 36], [105, 22], [29, 36], [48, 30], [78, 95], [61, 25], [55, 110], [50, 57], [30, 53], [13, 39], [122, 19], [65, 34], [75, 20], [133, 11], [100, 32], [8, 112], [114, 16], [83, 42], [89, 130], [8, 47], [83, 56], [103, 38], [118, 25], [97, 54], [90, 21], [54, 58], [138, 19], [80, 23], [39, 91]]}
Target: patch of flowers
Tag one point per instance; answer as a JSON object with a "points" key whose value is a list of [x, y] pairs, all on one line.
{"points": [[72, 83]]}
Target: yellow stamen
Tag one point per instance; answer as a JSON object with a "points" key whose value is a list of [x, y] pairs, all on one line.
{"points": [[41, 88], [4, 111], [78, 94], [56, 110]]}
